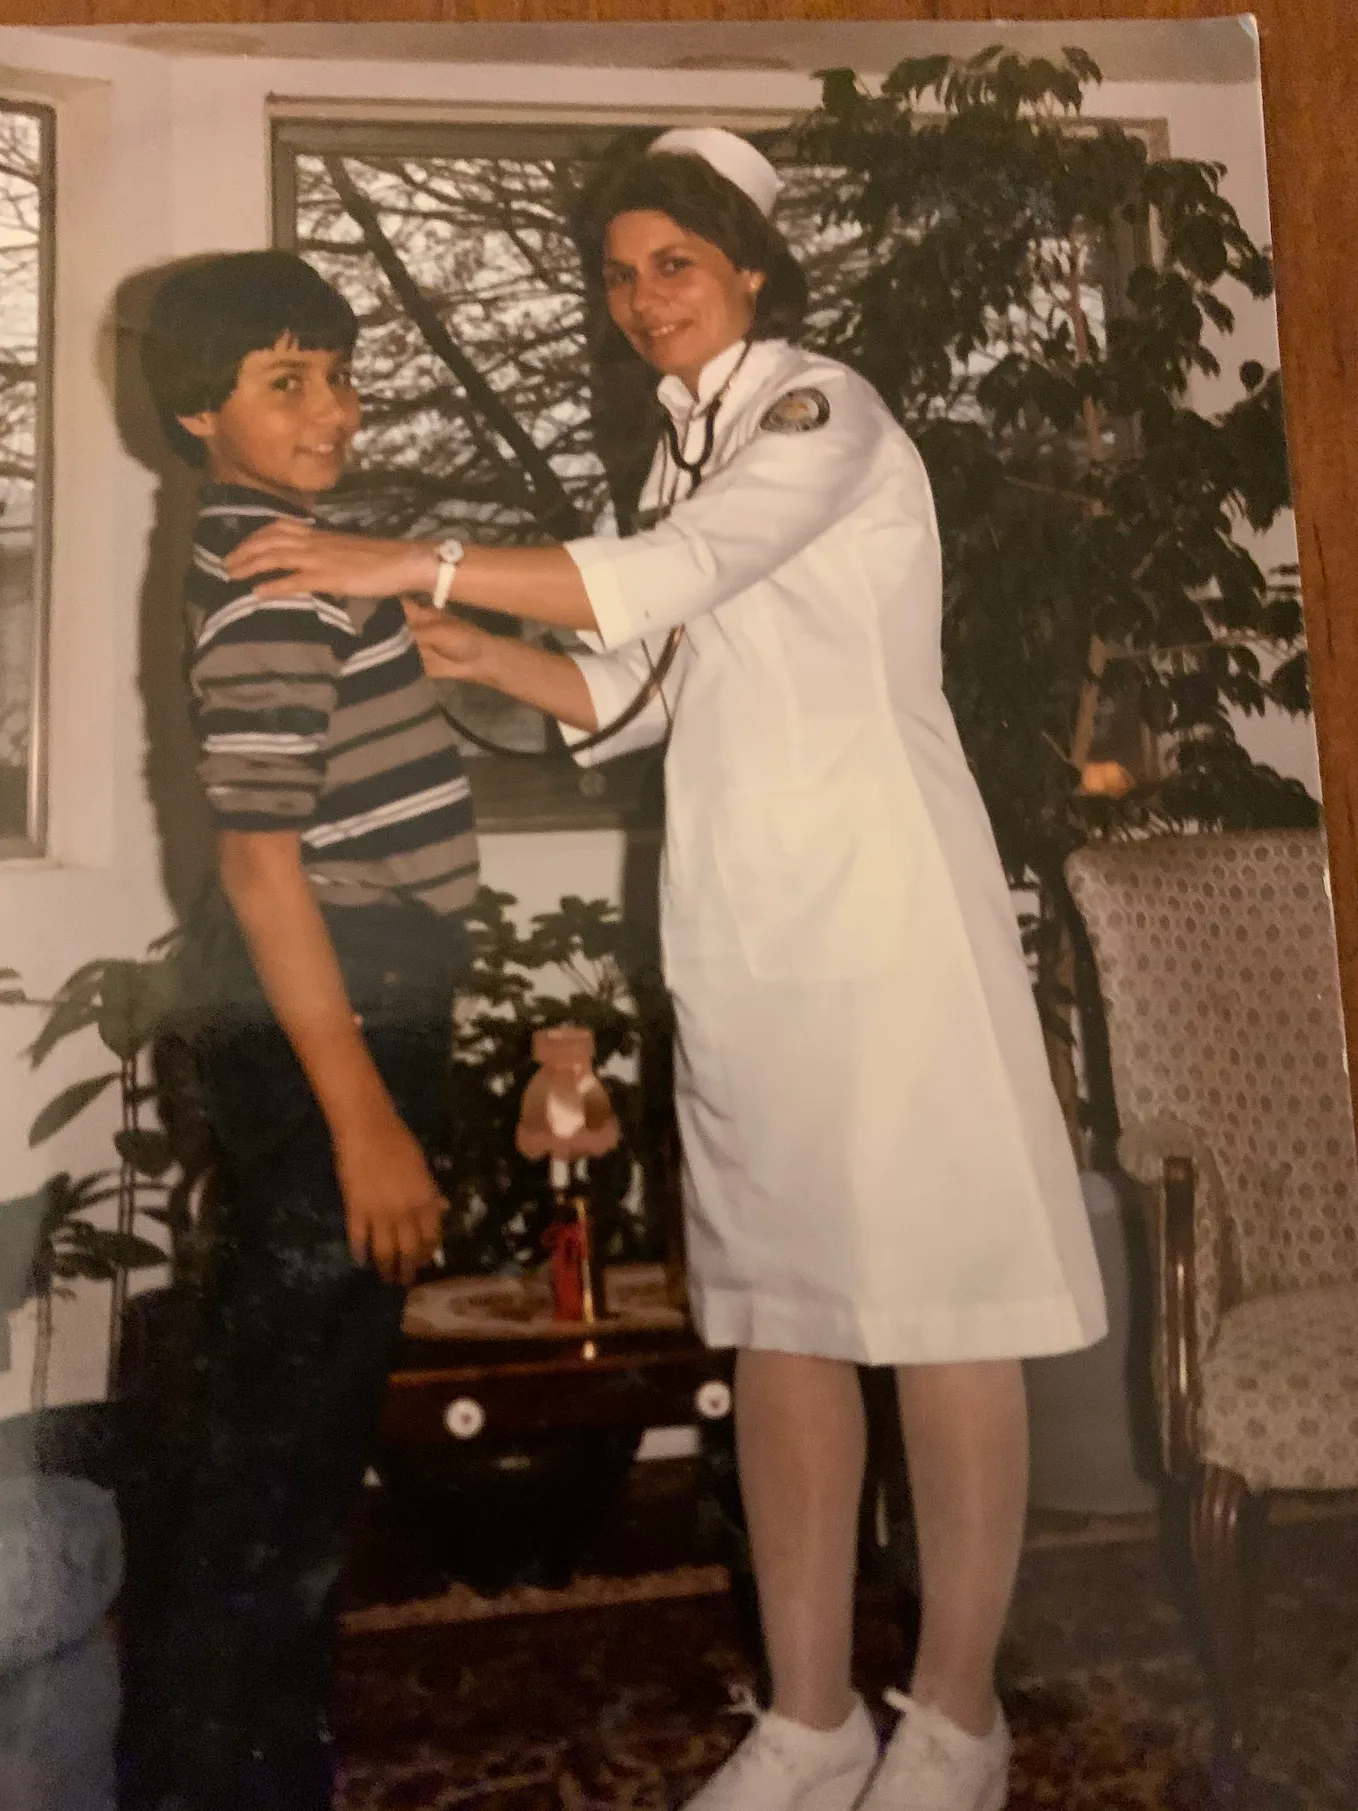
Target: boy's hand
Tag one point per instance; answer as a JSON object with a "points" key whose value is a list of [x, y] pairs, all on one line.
{"points": [[346, 565], [393, 1208]]}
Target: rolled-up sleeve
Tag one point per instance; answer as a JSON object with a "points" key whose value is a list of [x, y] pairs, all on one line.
{"points": [[265, 677], [614, 681], [775, 497]]}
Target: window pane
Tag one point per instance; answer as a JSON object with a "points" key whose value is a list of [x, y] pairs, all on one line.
{"points": [[25, 251]]}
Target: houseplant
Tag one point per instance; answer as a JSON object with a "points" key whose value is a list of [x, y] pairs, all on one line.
{"points": [[575, 963], [1035, 293], [49, 1239]]}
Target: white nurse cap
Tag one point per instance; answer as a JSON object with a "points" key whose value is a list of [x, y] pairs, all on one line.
{"points": [[730, 156]]}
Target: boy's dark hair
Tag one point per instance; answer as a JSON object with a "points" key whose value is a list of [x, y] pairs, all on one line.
{"points": [[208, 315]]}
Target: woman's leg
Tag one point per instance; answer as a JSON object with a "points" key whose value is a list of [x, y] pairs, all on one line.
{"points": [[966, 1442], [800, 1448]]}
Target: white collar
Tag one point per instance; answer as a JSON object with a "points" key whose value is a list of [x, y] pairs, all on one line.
{"points": [[678, 399]]}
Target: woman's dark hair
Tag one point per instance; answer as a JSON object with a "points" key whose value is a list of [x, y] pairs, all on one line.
{"points": [[209, 314], [702, 201]]}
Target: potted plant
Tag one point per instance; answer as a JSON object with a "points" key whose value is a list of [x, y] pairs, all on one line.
{"points": [[50, 1241], [498, 1204], [575, 963], [1035, 293]]}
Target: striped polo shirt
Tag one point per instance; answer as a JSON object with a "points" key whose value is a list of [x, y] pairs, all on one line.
{"points": [[314, 713]]}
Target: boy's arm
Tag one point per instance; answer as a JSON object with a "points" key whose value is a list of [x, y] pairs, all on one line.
{"points": [[392, 1206]]}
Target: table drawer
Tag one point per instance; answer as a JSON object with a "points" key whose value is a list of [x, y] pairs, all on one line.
{"points": [[494, 1402]]}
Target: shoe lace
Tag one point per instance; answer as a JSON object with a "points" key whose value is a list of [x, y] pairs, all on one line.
{"points": [[918, 1744], [743, 1703], [760, 1743]]}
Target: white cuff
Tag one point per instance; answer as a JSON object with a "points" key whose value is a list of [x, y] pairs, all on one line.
{"points": [[595, 560], [610, 692]]}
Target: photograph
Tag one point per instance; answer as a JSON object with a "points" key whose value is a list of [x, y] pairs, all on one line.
{"points": [[673, 943]]}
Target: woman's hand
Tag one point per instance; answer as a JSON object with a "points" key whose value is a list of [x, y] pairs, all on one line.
{"points": [[347, 565], [452, 648], [449, 647]]}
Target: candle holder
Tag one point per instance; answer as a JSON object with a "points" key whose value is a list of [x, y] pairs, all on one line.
{"points": [[567, 1117]]}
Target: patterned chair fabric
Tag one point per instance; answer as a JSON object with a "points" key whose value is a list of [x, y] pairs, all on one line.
{"points": [[1217, 963], [1280, 1391]]}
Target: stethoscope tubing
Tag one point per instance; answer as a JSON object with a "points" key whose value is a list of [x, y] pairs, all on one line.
{"points": [[659, 668], [648, 690]]}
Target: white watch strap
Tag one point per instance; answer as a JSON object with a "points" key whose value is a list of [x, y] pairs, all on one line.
{"points": [[450, 552]]}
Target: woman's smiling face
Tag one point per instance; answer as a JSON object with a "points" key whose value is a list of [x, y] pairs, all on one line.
{"points": [[676, 298]]}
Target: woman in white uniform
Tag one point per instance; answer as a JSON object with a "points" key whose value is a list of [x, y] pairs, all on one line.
{"points": [[875, 1167]]}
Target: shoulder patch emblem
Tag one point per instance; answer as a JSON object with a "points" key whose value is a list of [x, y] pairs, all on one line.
{"points": [[797, 413]]}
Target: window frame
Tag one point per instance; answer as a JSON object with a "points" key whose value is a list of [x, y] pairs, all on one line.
{"points": [[32, 843]]}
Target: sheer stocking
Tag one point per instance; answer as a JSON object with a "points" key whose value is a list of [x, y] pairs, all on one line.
{"points": [[800, 1446], [966, 1441]]}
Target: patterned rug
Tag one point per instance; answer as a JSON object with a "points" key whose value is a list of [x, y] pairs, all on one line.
{"points": [[614, 1694]]}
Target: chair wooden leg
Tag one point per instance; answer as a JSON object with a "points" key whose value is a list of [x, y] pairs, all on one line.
{"points": [[1224, 1523]]}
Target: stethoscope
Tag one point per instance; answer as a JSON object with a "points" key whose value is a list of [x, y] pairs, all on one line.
{"points": [[659, 668]]}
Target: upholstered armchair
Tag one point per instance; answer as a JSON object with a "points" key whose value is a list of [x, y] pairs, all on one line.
{"points": [[1217, 966]]}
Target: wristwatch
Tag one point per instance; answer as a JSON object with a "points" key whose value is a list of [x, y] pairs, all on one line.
{"points": [[449, 552]]}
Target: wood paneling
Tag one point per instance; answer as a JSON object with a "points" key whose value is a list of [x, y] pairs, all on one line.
{"points": [[1310, 69]]}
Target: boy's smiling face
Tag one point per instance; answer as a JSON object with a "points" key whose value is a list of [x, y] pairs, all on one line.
{"points": [[287, 426]]}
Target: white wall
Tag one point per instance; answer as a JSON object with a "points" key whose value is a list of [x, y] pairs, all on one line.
{"points": [[99, 892], [163, 156]]}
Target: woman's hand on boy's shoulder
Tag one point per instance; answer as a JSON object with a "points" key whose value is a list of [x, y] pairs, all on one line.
{"points": [[345, 565]]}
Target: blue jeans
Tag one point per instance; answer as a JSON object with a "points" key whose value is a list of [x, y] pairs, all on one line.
{"points": [[232, 1676]]}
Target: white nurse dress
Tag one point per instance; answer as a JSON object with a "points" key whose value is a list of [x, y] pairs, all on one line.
{"points": [[875, 1167]]}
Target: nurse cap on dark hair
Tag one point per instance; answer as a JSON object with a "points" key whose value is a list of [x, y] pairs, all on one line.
{"points": [[730, 156]]}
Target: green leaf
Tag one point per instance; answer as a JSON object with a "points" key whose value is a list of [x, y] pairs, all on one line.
{"points": [[95, 1254], [67, 1017], [132, 1002], [148, 1152], [63, 1108], [839, 90], [22, 1238]]}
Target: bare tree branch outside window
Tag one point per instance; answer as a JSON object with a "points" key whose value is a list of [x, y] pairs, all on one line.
{"points": [[26, 202], [452, 245]]}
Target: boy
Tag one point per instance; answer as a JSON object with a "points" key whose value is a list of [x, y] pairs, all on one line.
{"points": [[325, 971]]}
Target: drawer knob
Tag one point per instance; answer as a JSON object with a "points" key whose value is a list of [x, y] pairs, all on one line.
{"points": [[713, 1400], [464, 1418]]}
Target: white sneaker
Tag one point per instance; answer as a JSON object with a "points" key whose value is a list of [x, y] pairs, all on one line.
{"points": [[787, 1766], [932, 1765]]}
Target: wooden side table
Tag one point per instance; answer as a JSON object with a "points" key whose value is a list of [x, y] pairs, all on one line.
{"points": [[483, 1361], [492, 1402]]}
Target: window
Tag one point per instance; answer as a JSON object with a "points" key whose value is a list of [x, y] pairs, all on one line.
{"points": [[452, 243], [26, 217]]}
